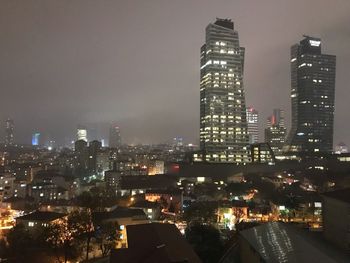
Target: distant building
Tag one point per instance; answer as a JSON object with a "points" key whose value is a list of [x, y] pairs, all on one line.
{"points": [[275, 133], [93, 149], [151, 209], [36, 139], [178, 142], [112, 179], [47, 191], [312, 94], [253, 125], [341, 148], [82, 133], [115, 139], [9, 132], [261, 153], [103, 162], [223, 124], [81, 155], [171, 200], [156, 167]]}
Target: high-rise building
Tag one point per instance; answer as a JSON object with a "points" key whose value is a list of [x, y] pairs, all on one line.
{"points": [[253, 125], [115, 140], [275, 133], [312, 94], [82, 133], [223, 125], [36, 139], [9, 132], [341, 148]]}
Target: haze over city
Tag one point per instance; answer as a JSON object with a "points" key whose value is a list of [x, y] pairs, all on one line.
{"points": [[136, 63]]}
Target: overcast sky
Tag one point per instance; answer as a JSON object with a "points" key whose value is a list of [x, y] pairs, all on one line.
{"points": [[91, 62]]}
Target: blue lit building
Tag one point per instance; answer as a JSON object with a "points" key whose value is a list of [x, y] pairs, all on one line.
{"points": [[35, 139]]}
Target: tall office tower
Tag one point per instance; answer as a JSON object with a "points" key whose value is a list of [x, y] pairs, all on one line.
{"points": [[275, 133], [82, 133], [253, 125], [82, 155], [223, 125], [93, 149], [9, 132], [312, 94], [35, 139], [115, 139]]}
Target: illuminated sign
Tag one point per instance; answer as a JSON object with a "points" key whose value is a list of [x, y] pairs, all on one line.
{"points": [[315, 43]]}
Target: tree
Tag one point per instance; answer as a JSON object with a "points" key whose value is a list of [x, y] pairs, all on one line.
{"points": [[201, 212], [106, 236], [65, 234], [81, 226], [206, 242], [20, 241]]}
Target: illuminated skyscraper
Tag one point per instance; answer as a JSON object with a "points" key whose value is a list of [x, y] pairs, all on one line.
{"points": [[36, 139], [82, 133], [223, 125], [275, 133], [312, 94], [114, 137], [9, 132], [253, 125]]}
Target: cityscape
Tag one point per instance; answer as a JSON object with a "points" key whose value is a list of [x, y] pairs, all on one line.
{"points": [[107, 157]]}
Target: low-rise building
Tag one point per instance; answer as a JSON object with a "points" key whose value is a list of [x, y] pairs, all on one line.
{"points": [[39, 219], [122, 217], [151, 209]]}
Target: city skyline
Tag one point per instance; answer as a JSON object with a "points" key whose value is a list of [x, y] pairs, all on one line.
{"points": [[43, 78]]}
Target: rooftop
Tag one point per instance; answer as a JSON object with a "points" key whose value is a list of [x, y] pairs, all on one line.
{"points": [[119, 212], [41, 216], [278, 242], [159, 243], [342, 195]]}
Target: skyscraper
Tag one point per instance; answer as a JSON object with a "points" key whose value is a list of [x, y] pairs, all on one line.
{"points": [[82, 133], [114, 136], [253, 125], [35, 139], [223, 125], [312, 94], [9, 132], [275, 132]]}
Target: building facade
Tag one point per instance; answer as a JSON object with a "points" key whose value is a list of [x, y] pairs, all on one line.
{"points": [[9, 132], [312, 95], [275, 133], [82, 133], [36, 139], [253, 125], [223, 124], [115, 140]]}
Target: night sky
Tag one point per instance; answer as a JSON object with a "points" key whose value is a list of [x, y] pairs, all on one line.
{"points": [[64, 63]]}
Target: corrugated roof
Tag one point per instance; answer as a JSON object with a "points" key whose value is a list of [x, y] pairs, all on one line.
{"points": [[279, 243]]}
